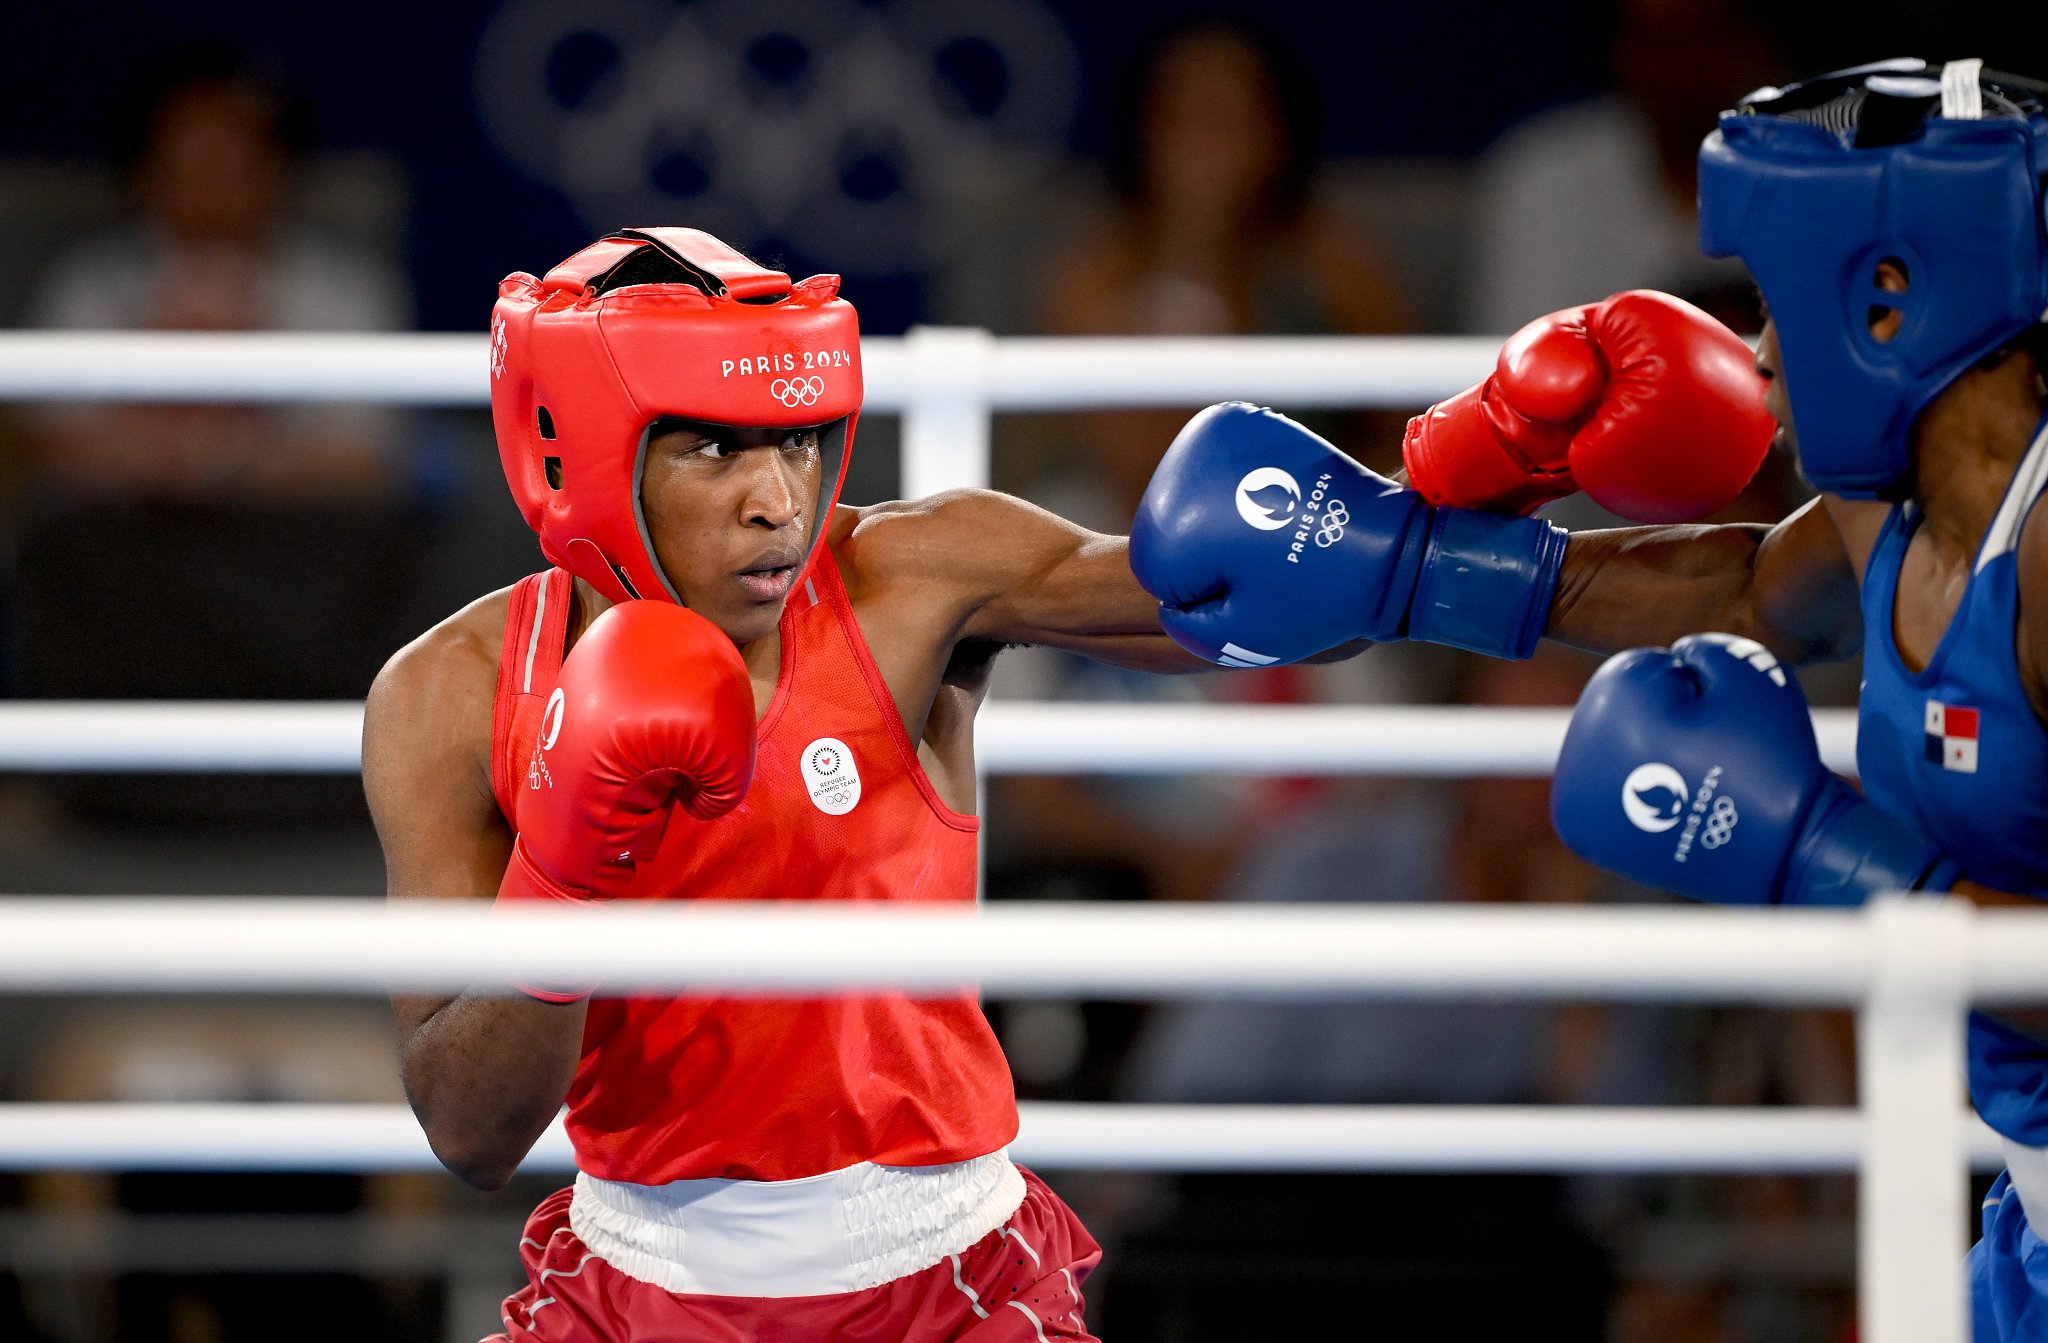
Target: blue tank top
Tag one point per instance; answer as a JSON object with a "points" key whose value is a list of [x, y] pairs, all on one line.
{"points": [[1958, 749]]}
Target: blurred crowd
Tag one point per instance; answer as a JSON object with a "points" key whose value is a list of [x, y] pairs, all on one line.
{"points": [[242, 552]]}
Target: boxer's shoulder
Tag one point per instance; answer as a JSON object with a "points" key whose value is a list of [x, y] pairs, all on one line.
{"points": [[441, 686], [460, 646]]}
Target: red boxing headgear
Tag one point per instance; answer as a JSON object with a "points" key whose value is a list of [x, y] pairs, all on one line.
{"points": [[643, 325]]}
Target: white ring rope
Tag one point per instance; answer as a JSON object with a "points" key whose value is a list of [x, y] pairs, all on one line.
{"points": [[1053, 1135], [1011, 737], [341, 945], [1022, 373]]}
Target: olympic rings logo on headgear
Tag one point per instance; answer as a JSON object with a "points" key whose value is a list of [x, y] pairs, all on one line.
{"points": [[794, 392], [1330, 530], [1720, 826]]}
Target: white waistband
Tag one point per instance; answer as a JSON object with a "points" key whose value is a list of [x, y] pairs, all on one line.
{"points": [[843, 1231], [2028, 1167]]}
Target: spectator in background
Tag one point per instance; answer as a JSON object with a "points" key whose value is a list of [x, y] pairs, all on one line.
{"points": [[214, 552], [1216, 227], [1593, 197], [183, 517], [207, 141]]}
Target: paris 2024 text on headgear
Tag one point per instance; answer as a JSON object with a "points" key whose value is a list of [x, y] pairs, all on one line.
{"points": [[1937, 169], [645, 325]]}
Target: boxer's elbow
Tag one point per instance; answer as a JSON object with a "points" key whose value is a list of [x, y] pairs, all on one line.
{"points": [[488, 1174], [479, 1124], [482, 1151], [485, 1076]]}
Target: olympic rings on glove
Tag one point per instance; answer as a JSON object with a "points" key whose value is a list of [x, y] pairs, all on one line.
{"points": [[1330, 530], [1720, 826]]}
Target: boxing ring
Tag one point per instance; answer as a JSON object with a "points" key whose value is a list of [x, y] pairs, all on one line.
{"points": [[1910, 968]]}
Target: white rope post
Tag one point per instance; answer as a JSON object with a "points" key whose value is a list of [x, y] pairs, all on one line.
{"points": [[1913, 1204], [946, 418]]}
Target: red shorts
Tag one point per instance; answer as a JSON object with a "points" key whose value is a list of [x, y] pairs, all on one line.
{"points": [[1019, 1284]]}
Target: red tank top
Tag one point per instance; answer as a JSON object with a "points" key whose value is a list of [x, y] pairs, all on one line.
{"points": [[840, 809]]}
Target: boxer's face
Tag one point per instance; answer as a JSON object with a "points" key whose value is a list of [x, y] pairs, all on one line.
{"points": [[1775, 399], [1884, 324], [730, 514]]}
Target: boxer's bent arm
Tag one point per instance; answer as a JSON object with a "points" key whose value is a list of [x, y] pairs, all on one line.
{"points": [[1792, 587], [486, 1072]]}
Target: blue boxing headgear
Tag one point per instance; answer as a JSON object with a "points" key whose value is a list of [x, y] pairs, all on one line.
{"points": [[1939, 170]]}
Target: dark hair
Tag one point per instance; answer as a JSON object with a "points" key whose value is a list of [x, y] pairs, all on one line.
{"points": [[201, 65], [1293, 90]]}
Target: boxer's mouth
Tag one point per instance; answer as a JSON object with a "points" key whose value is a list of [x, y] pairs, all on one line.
{"points": [[769, 577]]}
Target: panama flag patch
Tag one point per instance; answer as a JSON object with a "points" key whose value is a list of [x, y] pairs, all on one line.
{"points": [[1952, 737]]}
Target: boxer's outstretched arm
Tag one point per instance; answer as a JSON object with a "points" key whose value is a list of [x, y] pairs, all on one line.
{"points": [[1017, 574], [1792, 587], [485, 1072]]}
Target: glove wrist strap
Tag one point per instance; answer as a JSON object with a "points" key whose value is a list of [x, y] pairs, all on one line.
{"points": [[525, 885], [1859, 851], [1486, 582]]}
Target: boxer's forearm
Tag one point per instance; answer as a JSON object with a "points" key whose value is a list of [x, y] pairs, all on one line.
{"points": [[1653, 585], [486, 1075], [1791, 587]]}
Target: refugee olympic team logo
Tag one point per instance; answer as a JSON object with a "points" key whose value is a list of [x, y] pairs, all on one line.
{"points": [[831, 776]]}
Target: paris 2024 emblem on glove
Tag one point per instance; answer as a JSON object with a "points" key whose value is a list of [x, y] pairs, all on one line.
{"points": [[1695, 768]]}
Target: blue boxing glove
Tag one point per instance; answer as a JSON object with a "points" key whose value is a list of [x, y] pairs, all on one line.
{"points": [[1265, 544], [1694, 768]]}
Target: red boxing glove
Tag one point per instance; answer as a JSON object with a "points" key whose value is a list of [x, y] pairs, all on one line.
{"points": [[1649, 405], [653, 709]]}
